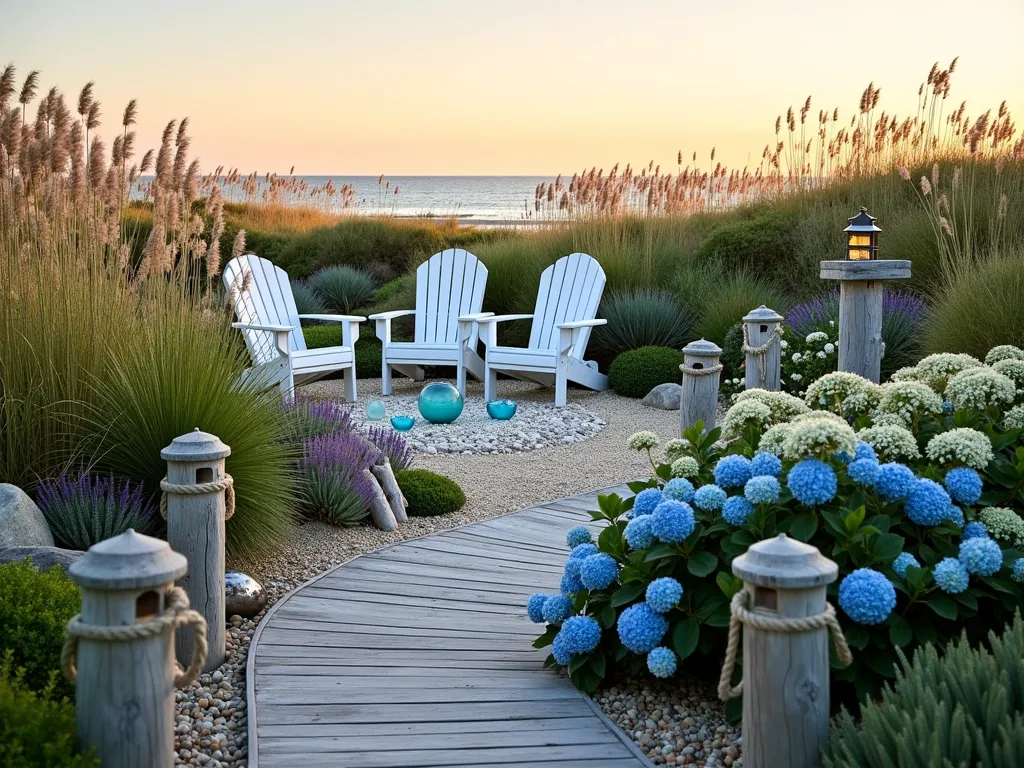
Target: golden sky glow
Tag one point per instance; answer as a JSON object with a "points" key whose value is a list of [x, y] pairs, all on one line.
{"points": [[502, 87]]}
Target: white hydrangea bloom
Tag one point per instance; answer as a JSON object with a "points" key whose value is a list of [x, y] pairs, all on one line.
{"points": [[796, 357], [774, 438], [816, 336], [685, 466], [783, 405], [748, 412], [1003, 524], [820, 355], [676, 448], [961, 446], [905, 374], [829, 348], [642, 441], [832, 389], [783, 343], [976, 388], [795, 377], [1014, 418], [819, 437], [910, 400], [1012, 369], [891, 442], [1003, 352], [887, 420], [935, 370]]}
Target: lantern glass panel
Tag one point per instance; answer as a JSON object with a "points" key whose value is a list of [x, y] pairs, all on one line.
{"points": [[860, 239], [860, 254]]}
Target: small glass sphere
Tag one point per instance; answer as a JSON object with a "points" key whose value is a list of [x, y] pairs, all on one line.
{"points": [[440, 402], [502, 410], [375, 411], [403, 423]]}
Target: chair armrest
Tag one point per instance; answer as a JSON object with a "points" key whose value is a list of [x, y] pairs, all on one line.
{"points": [[261, 327], [392, 315], [474, 318], [582, 324], [334, 318], [502, 318]]}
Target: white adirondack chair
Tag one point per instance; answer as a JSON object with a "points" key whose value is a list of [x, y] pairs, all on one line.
{"points": [[270, 324], [570, 291], [449, 294]]}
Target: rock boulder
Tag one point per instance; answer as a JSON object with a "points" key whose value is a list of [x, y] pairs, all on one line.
{"points": [[21, 522], [664, 396], [43, 558]]}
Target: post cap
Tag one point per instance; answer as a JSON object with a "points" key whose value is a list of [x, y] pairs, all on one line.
{"points": [[785, 563], [702, 348], [129, 561], [763, 315], [195, 446]]}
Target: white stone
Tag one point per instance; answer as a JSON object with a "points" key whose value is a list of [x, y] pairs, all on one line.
{"points": [[21, 522], [664, 396]]}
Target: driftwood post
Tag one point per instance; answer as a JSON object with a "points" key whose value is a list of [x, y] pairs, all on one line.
{"points": [[860, 310], [381, 514], [701, 372], [785, 621], [125, 689], [762, 347], [197, 491], [389, 484]]}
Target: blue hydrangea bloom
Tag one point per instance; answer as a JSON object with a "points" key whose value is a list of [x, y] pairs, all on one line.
{"points": [[955, 515], [947, 407], [662, 662], [867, 596], [927, 504], [572, 566], [812, 482], [903, 561], [863, 471], [640, 628], [672, 521], [765, 464], [557, 609], [951, 576], [894, 481], [583, 550], [578, 535], [598, 571], [645, 501], [964, 485], [1018, 569], [974, 530], [762, 489], [580, 634], [560, 650], [845, 458], [709, 498], [664, 594], [678, 489], [736, 510], [732, 471], [535, 607], [865, 451], [982, 557], [570, 584], [638, 532]]}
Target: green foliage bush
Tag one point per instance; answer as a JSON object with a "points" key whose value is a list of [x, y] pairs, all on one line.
{"points": [[37, 730], [429, 493], [720, 301], [34, 610], [638, 371], [963, 708], [342, 289], [641, 317], [763, 244]]}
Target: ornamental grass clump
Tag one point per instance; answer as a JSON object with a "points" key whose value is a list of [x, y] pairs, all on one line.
{"points": [[89, 509], [334, 486]]}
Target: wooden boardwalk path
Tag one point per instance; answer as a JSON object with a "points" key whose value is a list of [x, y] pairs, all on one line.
{"points": [[419, 655]]}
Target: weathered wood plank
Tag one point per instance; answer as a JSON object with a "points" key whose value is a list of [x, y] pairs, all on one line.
{"points": [[585, 724], [435, 758]]}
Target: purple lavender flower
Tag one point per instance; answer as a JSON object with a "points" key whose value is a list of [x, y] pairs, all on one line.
{"points": [[334, 485], [88, 509], [392, 445], [306, 417]]}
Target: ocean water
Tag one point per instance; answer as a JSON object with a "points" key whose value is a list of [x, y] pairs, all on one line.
{"points": [[470, 198]]}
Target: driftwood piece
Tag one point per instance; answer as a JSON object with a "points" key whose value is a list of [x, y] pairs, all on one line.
{"points": [[380, 510], [386, 478]]}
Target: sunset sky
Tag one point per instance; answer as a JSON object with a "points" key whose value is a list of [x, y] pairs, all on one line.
{"points": [[496, 87]]}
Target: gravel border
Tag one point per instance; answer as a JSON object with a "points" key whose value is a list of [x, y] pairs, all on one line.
{"points": [[212, 715]]}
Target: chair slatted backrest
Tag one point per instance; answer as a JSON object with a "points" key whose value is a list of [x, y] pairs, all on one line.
{"points": [[448, 284], [262, 294], [570, 290]]}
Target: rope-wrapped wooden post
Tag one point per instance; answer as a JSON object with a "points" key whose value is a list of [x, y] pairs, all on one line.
{"points": [[785, 622], [762, 348], [121, 649], [701, 372], [198, 498]]}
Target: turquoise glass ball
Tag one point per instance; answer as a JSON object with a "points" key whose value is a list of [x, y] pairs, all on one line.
{"points": [[403, 423], [375, 411], [440, 403], [502, 410]]}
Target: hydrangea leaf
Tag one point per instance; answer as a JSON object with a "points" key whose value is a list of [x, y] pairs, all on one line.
{"points": [[886, 547], [967, 599], [685, 637], [854, 519], [659, 551], [925, 632], [627, 594], [881, 662], [803, 526], [899, 631], [944, 605], [610, 541], [701, 563], [857, 636], [598, 663], [608, 617], [547, 638], [550, 662], [728, 583]]}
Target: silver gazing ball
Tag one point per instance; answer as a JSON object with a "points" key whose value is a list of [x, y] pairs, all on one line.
{"points": [[243, 595]]}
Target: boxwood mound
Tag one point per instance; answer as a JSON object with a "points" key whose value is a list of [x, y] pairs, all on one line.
{"points": [[429, 493]]}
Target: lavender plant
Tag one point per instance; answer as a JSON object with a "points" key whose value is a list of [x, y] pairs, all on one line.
{"points": [[306, 417], [88, 509], [333, 486], [392, 445]]}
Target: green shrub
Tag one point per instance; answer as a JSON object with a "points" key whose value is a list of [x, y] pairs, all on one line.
{"points": [[393, 288], [641, 317], [368, 348], [979, 310], [764, 245], [307, 302], [733, 361], [961, 709], [34, 610], [36, 729], [342, 290], [638, 371], [429, 493], [724, 300]]}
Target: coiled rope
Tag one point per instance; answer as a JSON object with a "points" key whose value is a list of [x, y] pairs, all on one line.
{"points": [[761, 352], [177, 614], [226, 484], [742, 614], [716, 368]]}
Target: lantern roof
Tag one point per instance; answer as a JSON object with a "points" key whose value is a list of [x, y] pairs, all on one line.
{"points": [[129, 561], [785, 563], [702, 348], [862, 222], [763, 315], [195, 446]]}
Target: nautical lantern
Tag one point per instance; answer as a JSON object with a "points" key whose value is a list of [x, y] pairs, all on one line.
{"points": [[862, 237]]}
